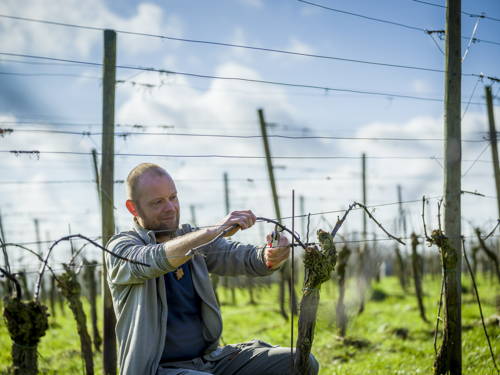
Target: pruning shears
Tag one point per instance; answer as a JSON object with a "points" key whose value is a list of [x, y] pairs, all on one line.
{"points": [[275, 239]]}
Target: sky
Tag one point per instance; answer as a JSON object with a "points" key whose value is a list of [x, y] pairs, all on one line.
{"points": [[37, 95]]}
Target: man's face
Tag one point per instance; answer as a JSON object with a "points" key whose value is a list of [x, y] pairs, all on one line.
{"points": [[158, 205]]}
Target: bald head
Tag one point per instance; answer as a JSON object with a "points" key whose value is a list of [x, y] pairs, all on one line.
{"points": [[152, 198], [140, 173]]}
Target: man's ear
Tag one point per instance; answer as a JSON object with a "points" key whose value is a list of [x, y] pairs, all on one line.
{"points": [[131, 207]]}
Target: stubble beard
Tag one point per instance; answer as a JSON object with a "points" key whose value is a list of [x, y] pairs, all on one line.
{"points": [[161, 229], [165, 230]]}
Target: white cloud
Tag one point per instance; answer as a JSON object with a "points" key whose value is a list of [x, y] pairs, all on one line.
{"points": [[27, 37]]}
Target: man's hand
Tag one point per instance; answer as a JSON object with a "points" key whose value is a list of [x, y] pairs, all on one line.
{"points": [[238, 219], [275, 256]]}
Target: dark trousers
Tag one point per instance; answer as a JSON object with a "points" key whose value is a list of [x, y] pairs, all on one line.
{"points": [[249, 358]]}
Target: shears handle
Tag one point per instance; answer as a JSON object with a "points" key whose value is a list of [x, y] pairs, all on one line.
{"points": [[275, 239]]}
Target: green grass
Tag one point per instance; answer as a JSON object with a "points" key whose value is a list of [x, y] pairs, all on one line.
{"points": [[372, 347]]}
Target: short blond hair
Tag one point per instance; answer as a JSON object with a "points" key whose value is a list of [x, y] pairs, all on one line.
{"points": [[135, 175]]}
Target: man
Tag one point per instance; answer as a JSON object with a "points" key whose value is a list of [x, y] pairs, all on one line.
{"points": [[168, 321]]}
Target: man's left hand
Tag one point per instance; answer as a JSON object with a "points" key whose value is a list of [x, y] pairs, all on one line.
{"points": [[275, 256]]}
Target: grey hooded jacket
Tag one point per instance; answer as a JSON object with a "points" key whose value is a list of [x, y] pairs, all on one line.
{"points": [[139, 295]]}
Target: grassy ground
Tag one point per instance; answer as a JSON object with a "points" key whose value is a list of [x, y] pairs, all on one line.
{"points": [[375, 339]]}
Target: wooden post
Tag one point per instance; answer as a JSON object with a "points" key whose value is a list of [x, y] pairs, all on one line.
{"points": [[493, 142], [8, 286], [362, 277], [402, 216], [95, 164], [192, 208], [302, 216], [52, 296], [106, 193], [269, 164], [95, 168], [72, 247], [270, 171], [58, 298], [363, 174], [91, 284], [417, 276], [226, 193], [449, 358], [2, 233], [6, 258], [43, 294], [227, 281], [402, 227], [341, 316], [37, 235], [303, 221]]}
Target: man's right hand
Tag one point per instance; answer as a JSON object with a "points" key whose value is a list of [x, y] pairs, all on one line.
{"points": [[237, 219]]}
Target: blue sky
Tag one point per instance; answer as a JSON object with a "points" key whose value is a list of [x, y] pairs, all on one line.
{"points": [[212, 107]]}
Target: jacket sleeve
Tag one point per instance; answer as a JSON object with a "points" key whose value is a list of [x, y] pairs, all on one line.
{"points": [[122, 272], [229, 258]]}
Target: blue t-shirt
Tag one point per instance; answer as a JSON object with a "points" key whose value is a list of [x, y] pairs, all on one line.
{"points": [[184, 325]]}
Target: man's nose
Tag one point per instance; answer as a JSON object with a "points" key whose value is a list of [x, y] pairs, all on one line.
{"points": [[169, 206]]}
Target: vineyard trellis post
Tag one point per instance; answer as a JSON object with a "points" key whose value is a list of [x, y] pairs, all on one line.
{"points": [[227, 281], [493, 143], [39, 245], [302, 205], [402, 216], [363, 187], [52, 296], [226, 193], [270, 171], [449, 358], [71, 246], [341, 316], [106, 194], [8, 288], [401, 224], [2, 233], [91, 284], [95, 165], [362, 278], [303, 230], [192, 209], [58, 297], [416, 262]]}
